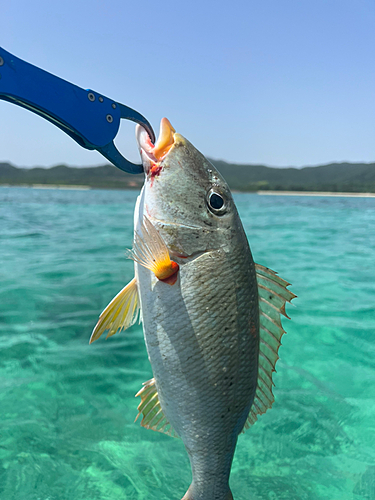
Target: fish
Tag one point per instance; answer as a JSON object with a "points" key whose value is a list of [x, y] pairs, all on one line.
{"points": [[211, 316]]}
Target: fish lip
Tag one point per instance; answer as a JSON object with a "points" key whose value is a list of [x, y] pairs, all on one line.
{"points": [[145, 146], [154, 154]]}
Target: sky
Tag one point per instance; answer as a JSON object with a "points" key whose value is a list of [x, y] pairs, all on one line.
{"points": [[280, 83]]}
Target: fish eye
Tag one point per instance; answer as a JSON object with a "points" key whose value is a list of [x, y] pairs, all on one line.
{"points": [[216, 203]]}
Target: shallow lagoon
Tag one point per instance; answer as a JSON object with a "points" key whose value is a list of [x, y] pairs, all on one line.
{"points": [[67, 408]]}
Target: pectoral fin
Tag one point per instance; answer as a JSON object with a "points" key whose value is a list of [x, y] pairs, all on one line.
{"points": [[120, 314], [150, 251]]}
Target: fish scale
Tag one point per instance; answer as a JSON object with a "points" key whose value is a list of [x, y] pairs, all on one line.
{"points": [[211, 317], [201, 382]]}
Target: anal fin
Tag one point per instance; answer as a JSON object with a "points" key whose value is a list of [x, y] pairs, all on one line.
{"points": [[120, 314], [149, 407]]}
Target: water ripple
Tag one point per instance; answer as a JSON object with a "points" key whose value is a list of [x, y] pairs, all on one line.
{"points": [[67, 408]]}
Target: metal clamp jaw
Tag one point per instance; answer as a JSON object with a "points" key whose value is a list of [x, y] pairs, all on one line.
{"points": [[90, 118]]}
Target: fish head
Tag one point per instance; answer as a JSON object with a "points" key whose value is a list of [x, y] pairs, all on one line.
{"points": [[184, 196]]}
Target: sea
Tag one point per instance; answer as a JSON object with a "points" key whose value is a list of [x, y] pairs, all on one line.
{"points": [[67, 408]]}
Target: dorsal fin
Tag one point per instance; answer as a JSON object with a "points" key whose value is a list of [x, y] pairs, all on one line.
{"points": [[273, 294], [153, 416]]}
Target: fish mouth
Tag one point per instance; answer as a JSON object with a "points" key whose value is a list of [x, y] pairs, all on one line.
{"points": [[153, 154]]}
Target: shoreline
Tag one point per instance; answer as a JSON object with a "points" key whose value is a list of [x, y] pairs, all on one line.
{"points": [[60, 186], [49, 186], [317, 193]]}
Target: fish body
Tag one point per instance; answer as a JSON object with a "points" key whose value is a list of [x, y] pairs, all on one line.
{"points": [[200, 307], [202, 333]]}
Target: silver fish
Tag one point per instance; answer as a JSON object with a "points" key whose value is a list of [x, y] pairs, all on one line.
{"points": [[211, 317]]}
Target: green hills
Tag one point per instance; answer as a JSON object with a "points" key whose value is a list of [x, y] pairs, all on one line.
{"points": [[339, 177]]}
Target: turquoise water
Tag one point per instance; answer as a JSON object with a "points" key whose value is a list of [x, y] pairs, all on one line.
{"points": [[67, 408]]}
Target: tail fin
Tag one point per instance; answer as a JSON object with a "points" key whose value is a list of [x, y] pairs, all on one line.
{"points": [[189, 495]]}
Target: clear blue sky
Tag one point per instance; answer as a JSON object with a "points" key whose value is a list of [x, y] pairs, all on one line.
{"points": [[284, 83]]}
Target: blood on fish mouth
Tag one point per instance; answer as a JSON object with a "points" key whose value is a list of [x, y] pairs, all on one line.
{"points": [[152, 155], [155, 170]]}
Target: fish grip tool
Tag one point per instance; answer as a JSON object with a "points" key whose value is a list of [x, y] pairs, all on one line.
{"points": [[90, 118]]}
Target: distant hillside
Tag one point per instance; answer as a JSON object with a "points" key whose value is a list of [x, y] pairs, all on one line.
{"points": [[106, 176], [350, 177]]}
